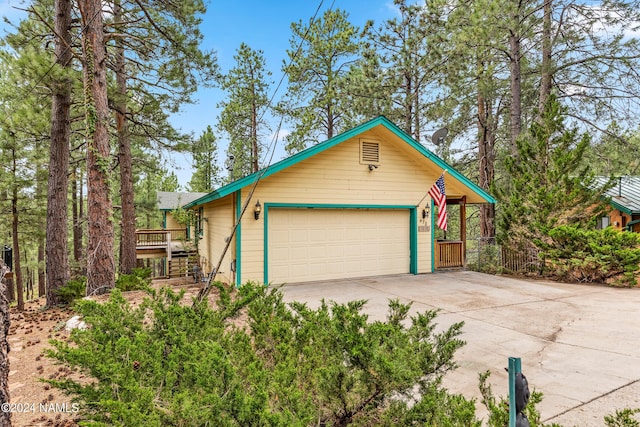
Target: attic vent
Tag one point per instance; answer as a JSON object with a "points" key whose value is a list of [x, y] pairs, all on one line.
{"points": [[369, 153]]}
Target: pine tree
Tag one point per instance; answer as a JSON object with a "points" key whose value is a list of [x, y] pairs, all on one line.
{"points": [[549, 184], [320, 58], [24, 132], [205, 155], [243, 116], [57, 256], [100, 256], [162, 44], [405, 45]]}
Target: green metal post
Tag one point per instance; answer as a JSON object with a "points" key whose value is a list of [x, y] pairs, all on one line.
{"points": [[515, 366]]}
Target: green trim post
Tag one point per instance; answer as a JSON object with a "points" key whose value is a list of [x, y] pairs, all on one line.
{"points": [[433, 235], [413, 240], [239, 239], [265, 251], [515, 366]]}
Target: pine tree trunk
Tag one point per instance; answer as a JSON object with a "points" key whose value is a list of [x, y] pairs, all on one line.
{"points": [[486, 174], [42, 290], [486, 158], [546, 72], [516, 90], [128, 225], [41, 176], [76, 207], [254, 134], [5, 416], [100, 250], [57, 261], [16, 246]]}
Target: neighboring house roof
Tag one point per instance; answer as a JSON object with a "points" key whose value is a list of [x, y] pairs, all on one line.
{"points": [[625, 194], [318, 148], [168, 201]]}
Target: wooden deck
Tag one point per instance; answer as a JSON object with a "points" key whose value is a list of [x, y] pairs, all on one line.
{"points": [[169, 250]]}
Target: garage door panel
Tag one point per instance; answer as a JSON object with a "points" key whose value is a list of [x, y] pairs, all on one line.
{"points": [[317, 235], [320, 244]]}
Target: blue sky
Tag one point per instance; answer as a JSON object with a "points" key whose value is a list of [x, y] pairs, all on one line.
{"points": [[261, 24], [266, 26]]}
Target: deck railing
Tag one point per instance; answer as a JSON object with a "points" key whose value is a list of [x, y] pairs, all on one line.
{"points": [[448, 254], [147, 238]]}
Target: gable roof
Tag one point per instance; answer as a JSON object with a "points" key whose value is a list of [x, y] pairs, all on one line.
{"points": [[332, 142], [625, 193], [168, 200]]}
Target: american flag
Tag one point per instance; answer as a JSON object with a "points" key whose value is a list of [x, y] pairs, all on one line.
{"points": [[440, 198]]}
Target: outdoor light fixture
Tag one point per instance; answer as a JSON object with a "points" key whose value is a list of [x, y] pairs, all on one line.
{"points": [[256, 210], [372, 167], [425, 212]]}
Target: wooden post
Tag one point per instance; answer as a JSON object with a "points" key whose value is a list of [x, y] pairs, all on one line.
{"points": [[463, 228], [515, 366]]}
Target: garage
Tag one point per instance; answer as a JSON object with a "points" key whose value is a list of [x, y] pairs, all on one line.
{"points": [[318, 244]]}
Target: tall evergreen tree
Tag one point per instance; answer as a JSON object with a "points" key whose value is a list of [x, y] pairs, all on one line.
{"points": [[549, 184], [244, 112], [125, 160], [409, 63], [25, 128], [57, 256], [100, 256], [206, 175], [320, 57], [162, 44]]}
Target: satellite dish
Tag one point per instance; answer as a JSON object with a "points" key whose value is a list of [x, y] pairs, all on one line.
{"points": [[439, 136]]}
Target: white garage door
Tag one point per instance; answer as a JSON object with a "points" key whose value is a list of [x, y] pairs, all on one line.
{"points": [[320, 244]]}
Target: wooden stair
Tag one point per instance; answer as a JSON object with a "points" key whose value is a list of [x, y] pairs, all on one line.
{"points": [[182, 266]]}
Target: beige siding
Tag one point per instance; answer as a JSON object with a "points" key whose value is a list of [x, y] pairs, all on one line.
{"points": [[217, 226], [335, 176], [171, 222]]}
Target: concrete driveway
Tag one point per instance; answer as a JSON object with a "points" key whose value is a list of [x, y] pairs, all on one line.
{"points": [[579, 344]]}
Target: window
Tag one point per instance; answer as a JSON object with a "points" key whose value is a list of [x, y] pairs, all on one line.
{"points": [[603, 222], [199, 222]]}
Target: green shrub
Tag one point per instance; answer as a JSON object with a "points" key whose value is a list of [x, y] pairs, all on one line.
{"points": [[73, 290], [139, 279], [623, 418], [164, 362], [601, 256]]}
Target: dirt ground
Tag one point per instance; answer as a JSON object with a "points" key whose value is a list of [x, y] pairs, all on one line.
{"points": [[33, 402]]}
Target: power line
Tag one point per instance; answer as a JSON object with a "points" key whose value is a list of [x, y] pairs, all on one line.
{"points": [[204, 292]]}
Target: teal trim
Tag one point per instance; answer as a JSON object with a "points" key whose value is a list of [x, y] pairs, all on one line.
{"points": [[413, 225], [433, 236], [630, 224], [239, 239], [265, 252], [335, 206], [318, 148], [413, 240], [621, 208], [164, 219]]}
